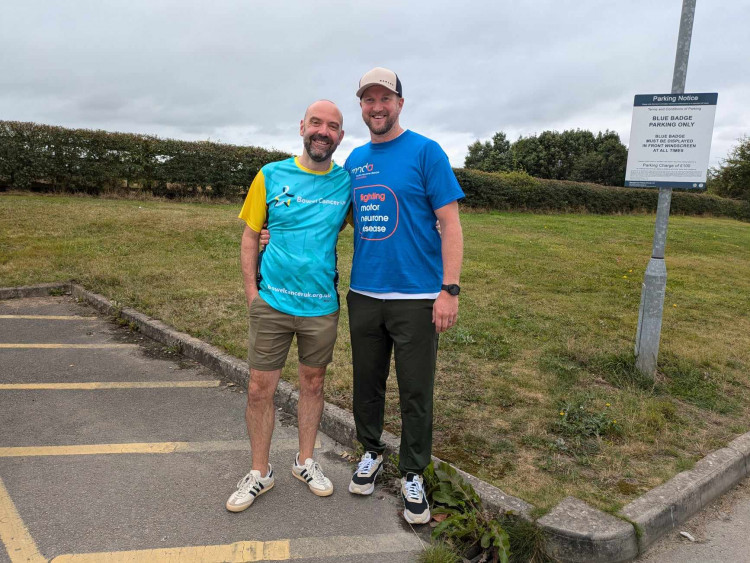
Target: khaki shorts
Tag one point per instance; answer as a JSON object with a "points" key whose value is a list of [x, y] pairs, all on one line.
{"points": [[271, 334]]}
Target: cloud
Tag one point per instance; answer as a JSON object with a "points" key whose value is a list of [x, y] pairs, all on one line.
{"points": [[243, 72]]}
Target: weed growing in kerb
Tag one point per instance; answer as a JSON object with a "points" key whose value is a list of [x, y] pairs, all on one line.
{"points": [[462, 519]]}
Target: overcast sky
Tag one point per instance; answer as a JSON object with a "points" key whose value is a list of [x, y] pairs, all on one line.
{"points": [[243, 71]]}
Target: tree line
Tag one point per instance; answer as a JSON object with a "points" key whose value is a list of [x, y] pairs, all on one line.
{"points": [[580, 156], [576, 155], [732, 177]]}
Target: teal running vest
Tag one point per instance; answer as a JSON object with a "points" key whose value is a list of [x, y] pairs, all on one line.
{"points": [[297, 271]]}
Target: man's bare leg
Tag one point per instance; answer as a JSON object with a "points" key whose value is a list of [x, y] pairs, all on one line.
{"points": [[309, 408], [260, 415]]}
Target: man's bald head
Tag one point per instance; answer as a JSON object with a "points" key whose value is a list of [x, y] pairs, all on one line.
{"points": [[322, 129], [324, 105]]}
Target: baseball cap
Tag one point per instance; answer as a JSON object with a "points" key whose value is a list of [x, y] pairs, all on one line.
{"points": [[381, 76]]}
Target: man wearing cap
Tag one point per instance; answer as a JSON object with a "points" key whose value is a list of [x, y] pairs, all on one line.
{"points": [[404, 282], [293, 290]]}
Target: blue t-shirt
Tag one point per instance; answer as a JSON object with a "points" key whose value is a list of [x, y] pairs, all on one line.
{"points": [[396, 187], [305, 210]]}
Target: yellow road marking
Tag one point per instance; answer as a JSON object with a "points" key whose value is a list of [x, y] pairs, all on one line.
{"points": [[49, 317], [235, 552], [18, 542], [364, 546], [280, 550], [142, 448], [107, 385], [126, 448], [77, 346]]}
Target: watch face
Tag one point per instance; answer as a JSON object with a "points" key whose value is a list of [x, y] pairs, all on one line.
{"points": [[453, 289]]}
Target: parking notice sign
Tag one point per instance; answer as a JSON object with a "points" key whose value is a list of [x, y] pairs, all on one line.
{"points": [[670, 140]]}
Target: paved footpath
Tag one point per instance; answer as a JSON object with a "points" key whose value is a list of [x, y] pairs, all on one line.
{"points": [[116, 449], [720, 532]]}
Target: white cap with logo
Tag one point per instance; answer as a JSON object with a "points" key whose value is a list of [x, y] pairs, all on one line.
{"points": [[380, 76]]}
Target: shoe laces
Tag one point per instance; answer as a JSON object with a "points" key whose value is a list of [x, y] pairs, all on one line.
{"points": [[316, 472], [366, 464], [247, 483], [414, 490]]}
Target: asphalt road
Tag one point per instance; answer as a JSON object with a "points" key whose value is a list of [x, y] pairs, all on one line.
{"points": [[114, 448]]}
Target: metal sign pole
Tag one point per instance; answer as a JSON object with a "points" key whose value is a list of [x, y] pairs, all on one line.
{"points": [[655, 280]]}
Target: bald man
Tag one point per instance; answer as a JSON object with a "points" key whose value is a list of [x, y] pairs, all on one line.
{"points": [[291, 288]]}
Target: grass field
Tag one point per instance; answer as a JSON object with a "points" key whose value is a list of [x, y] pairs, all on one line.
{"points": [[536, 388]]}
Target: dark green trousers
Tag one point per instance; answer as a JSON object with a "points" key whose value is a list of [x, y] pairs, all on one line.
{"points": [[377, 327]]}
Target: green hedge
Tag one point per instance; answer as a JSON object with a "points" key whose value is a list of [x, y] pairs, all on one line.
{"points": [[519, 191], [55, 158], [45, 157]]}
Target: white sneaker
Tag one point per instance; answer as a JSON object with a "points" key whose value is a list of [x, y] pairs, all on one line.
{"points": [[363, 480], [416, 509], [250, 486], [312, 474]]}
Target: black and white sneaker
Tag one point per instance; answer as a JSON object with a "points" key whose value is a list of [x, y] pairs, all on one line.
{"points": [[363, 480], [249, 488], [311, 473], [416, 509]]}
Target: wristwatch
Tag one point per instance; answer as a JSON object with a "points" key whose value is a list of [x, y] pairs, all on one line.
{"points": [[452, 288]]}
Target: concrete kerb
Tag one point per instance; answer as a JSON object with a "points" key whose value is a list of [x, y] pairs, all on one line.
{"points": [[40, 290], [664, 508], [578, 532], [574, 530]]}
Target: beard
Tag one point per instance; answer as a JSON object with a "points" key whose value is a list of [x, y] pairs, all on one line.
{"points": [[384, 127], [315, 153]]}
